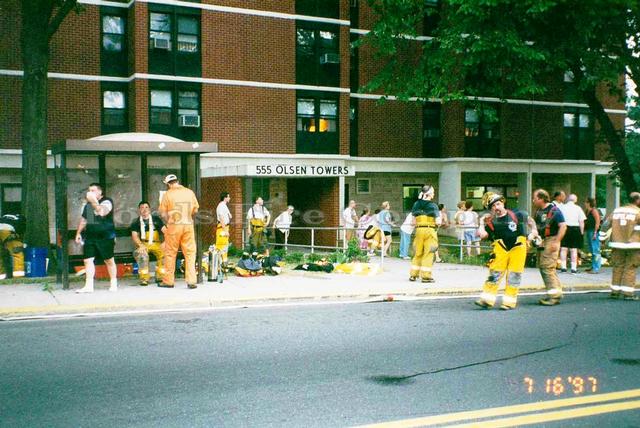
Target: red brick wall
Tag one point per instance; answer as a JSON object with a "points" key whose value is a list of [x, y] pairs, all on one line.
{"points": [[210, 197], [392, 129], [138, 32], [82, 120], [245, 47], [10, 112], [10, 52], [249, 120]]}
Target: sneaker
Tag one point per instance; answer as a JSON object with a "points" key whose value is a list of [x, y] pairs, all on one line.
{"points": [[438, 260], [406, 258], [549, 301], [483, 304], [615, 295], [574, 271], [85, 290], [163, 285], [563, 270], [192, 286], [591, 271]]}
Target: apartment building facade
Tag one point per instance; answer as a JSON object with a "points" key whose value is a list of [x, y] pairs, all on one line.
{"points": [[275, 84]]}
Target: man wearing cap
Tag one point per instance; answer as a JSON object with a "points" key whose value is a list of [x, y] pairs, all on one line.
{"points": [[425, 244], [508, 231], [178, 206], [551, 228]]}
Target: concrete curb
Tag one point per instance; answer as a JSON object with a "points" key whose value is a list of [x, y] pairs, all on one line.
{"points": [[150, 306]]}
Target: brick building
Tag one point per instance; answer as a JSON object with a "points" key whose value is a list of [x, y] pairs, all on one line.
{"points": [[275, 85]]}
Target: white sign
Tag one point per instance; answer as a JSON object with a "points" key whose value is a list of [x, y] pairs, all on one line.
{"points": [[318, 170]]}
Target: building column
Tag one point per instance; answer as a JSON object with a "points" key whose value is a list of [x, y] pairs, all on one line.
{"points": [[341, 185], [592, 187], [449, 186], [525, 189], [613, 194]]}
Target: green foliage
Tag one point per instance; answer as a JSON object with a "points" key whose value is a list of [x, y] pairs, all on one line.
{"points": [[508, 49], [294, 257], [354, 253]]}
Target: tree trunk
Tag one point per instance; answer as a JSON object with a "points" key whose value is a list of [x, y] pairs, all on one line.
{"points": [[35, 58], [615, 140]]}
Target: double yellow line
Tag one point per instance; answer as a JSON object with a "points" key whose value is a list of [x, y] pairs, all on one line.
{"points": [[577, 409]]}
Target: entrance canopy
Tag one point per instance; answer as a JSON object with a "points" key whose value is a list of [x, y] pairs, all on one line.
{"points": [[130, 168]]}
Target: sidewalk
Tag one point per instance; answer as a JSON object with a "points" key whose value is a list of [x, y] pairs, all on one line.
{"points": [[451, 279]]}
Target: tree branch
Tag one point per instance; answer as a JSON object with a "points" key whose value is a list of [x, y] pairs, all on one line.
{"points": [[55, 22]]}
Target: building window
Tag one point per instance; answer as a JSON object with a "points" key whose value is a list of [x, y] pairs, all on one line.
{"points": [[161, 107], [363, 186], [324, 8], [174, 42], [174, 109], [113, 33], [11, 199], [474, 193], [570, 88], [431, 139], [317, 55], [578, 134], [317, 115], [482, 132], [160, 31], [188, 28], [113, 47], [410, 195], [317, 124], [114, 109]]}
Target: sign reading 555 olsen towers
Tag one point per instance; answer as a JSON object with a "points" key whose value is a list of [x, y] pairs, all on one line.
{"points": [[304, 170]]}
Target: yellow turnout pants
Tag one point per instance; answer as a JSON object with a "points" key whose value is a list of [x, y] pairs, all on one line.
{"points": [[142, 253], [425, 245], [11, 248], [508, 264]]}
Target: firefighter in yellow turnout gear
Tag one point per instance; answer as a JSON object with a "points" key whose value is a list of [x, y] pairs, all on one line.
{"points": [[11, 247], [146, 233], [507, 230], [425, 243]]}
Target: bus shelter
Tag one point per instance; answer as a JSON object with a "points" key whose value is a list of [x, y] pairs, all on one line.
{"points": [[130, 168]]}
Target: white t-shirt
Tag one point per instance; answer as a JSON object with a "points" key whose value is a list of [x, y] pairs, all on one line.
{"points": [[283, 222], [470, 219], [257, 211], [223, 214], [409, 224], [572, 214], [348, 215]]}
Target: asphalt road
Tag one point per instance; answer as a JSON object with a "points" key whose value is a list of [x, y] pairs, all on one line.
{"points": [[334, 365]]}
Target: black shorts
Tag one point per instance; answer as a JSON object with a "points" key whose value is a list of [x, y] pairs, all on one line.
{"points": [[101, 248], [572, 238]]}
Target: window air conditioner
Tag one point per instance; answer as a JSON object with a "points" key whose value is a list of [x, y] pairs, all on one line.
{"points": [[330, 58], [161, 44], [190, 120]]}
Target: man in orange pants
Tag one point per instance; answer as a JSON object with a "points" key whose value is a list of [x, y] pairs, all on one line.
{"points": [[178, 206]]}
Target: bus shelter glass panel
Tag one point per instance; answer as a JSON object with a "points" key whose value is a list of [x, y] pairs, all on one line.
{"points": [[158, 167], [82, 170], [123, 182]]}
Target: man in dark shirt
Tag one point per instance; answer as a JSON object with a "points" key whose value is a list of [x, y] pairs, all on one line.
{"points": [[425, 243], [551, 228], [147, 232], [99, 233], [508, 231]]}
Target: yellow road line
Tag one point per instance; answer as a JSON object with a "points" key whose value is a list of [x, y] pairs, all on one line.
{"points": [[507, 410], [559, 415]]}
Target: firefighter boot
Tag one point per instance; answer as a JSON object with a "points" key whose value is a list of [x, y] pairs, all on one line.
{"points": [[510, 298], [488, 297]]}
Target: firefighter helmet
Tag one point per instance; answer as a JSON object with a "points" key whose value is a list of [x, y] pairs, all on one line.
{"points": [[490, 198]]}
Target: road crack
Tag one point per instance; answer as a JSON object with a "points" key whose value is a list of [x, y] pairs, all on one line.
{"points": [[400, 380]]}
